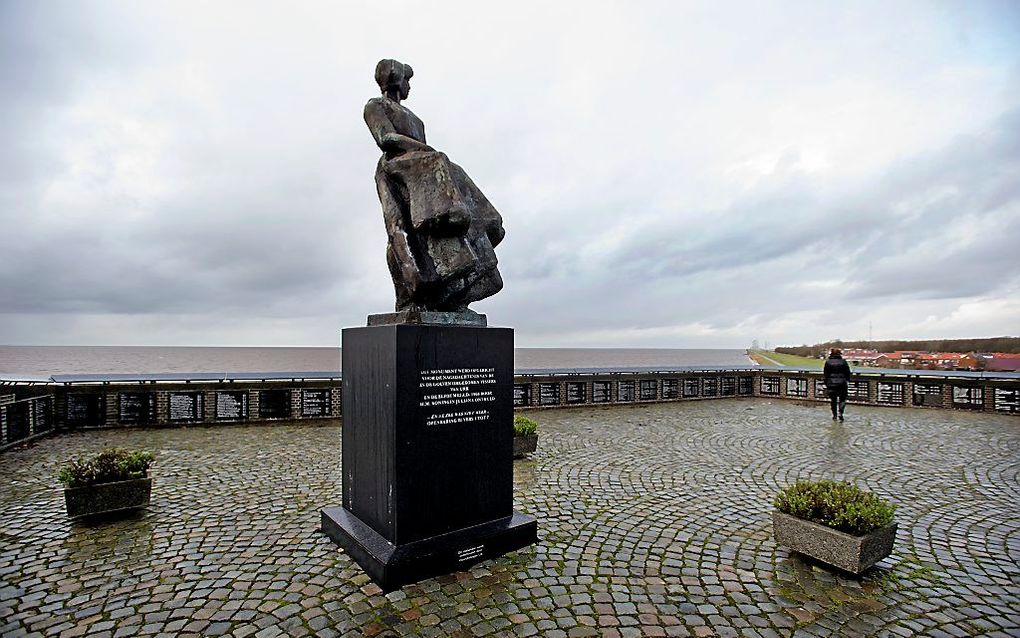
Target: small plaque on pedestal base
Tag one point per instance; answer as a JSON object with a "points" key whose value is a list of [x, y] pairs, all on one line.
{"points": [[427, 451], [392, 566]]}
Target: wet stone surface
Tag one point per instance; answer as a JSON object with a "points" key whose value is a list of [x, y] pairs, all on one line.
{"points": [[653, 521]]}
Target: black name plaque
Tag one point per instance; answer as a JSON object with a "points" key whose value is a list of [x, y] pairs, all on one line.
{"points": [[670, 389], [185, 406], [232, 404], [548, 393], [137, 407], [316, 402], [577, 392], [274, 404]]}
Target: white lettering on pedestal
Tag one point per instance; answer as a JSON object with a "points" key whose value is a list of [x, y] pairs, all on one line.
{"points": [[470, 553], [463, 388]]}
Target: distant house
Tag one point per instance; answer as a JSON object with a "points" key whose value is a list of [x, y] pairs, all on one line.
{"points": [[887, 360], [897, 359], [995, 361], [909, 359], [1003, 362], [971, 361], [948, 360], [919, 360], [860, 357]]}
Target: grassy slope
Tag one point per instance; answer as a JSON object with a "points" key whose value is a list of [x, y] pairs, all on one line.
{"points": [[768, 358]]}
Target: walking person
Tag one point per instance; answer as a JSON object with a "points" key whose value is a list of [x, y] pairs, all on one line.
{"points": [[837, 375]]}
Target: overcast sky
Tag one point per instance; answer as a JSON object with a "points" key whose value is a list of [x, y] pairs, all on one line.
{"points": [[669, 174]]}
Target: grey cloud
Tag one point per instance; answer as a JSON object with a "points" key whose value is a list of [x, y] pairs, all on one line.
{"points": [[46, 49], [242, 231], [888, 240], [274, 251], [853, 237], [931, 253], [946, 266]]}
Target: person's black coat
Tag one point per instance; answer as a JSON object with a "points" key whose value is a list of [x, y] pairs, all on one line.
{"points": [[836, 371]]}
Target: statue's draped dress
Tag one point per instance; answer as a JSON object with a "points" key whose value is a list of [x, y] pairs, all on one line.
{"points": [[441, 228]]}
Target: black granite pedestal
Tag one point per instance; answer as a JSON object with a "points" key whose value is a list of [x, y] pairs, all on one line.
{"points": [[427, 451]]}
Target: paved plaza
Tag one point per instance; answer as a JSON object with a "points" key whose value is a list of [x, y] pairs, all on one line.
{"points": [[654, 520]]}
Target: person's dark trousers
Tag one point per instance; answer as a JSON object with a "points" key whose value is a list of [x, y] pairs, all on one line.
{"points": [[837, 399]]}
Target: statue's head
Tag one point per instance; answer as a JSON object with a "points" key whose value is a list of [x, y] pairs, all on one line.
{"points": [[393, 78]]}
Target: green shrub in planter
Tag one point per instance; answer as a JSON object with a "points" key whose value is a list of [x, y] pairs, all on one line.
{"points": [[839, 505], [835, 523], [114, 480], [523, 426], [525, 436], [109, 466]]}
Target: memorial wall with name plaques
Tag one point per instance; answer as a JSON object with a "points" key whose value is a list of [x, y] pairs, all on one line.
{"points": [[968, 397], [670, 389], [43, 408], [728, 386], [137, 408], [709, 387], [797, 387], [624, 390], [745, 386], [18, 421], [232, 405], [131, 404], [548, 393], [928, 395], [894, 393], [889, 393], [185, 406], [577, 392], [647, 389], [85, 410], [858, 391], [274, 404], [692, 387], [522, 395], [1007, 400], [770, 386], [316, 402]]}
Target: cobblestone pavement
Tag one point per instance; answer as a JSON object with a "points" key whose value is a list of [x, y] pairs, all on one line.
{"points": [[653, 521]]}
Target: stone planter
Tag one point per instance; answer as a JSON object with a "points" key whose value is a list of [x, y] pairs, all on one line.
{"points": [[106, 498], [852, 554], [524, 444]]}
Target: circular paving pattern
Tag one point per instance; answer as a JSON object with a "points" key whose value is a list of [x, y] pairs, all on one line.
{"points": [[654, 520]]}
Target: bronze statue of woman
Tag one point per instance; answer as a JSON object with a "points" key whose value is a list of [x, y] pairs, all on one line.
{"points": [[441, 228]]}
